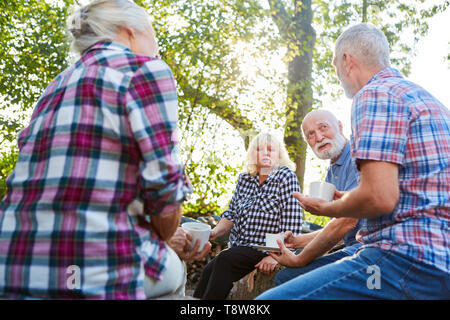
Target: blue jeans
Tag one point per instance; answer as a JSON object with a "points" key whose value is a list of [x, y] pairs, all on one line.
{"points": [[371, 273], [291, 273]]}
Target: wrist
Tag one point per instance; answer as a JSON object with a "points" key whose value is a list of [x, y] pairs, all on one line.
{"points": [[300, 242], [299, 262]]}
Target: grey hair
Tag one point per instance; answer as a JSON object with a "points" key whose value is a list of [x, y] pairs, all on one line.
{"points": [[366, 42], [100, 21]]}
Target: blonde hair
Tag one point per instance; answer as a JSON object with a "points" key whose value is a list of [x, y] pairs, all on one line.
{"points": [[262, 139], [100, 21]]}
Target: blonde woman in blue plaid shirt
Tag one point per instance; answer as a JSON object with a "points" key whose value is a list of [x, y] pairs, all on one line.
{"points": [[262, 203]]}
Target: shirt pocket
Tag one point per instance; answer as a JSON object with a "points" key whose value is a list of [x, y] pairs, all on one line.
{"points": [[270, 204]]}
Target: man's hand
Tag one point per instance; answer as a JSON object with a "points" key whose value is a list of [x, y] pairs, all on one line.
{"points": [[312, 205], [286, 257], [338, 194], [376, 195], [267, 265], [224, 226]]}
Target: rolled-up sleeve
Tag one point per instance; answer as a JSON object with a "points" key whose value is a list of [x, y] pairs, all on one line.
{"points": [[291, 212], [152, 107], [230, 213]]}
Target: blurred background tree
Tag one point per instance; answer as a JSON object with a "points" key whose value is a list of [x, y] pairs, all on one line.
{"points": [[241, 66]]}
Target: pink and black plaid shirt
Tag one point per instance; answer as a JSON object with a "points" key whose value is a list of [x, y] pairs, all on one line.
{"points": [[395, 120], [100, 152]]}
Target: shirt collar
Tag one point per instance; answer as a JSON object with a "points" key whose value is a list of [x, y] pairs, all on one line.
{"points": [[386, 73], [108, 45], [271, 175], [383, 73]]}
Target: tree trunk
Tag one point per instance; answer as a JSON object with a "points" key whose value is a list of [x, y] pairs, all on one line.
{"points": [[301, 37]]}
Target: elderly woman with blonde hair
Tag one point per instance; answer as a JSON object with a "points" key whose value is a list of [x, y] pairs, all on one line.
{"points": [[262, 203]]}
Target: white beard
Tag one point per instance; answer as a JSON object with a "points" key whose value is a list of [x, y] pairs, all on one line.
{"points": [[337, 145]]}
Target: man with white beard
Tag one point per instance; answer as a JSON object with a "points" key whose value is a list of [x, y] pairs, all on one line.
{"points": [[324, 135]]}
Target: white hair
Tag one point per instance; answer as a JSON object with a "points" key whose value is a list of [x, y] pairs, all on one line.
{"points": [[366, 42], [262, 139], [100, 21]]}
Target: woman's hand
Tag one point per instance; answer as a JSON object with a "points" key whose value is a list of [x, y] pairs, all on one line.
{"points": [[213, 235], [289, 240], [267, 265], [224, 226], [180, 242]]}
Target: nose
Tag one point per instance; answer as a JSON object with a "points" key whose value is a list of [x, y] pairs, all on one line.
{"points": [[319, 137]]}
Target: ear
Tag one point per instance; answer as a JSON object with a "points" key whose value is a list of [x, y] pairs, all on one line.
{"points": [[127, 32], [348, 61], [130, 32]]}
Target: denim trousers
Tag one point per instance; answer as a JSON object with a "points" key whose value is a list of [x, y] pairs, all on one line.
{"points": [[291, 273], [371, 273]]}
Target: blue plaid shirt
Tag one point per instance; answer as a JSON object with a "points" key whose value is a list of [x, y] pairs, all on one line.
{"points": [[396, 121]]}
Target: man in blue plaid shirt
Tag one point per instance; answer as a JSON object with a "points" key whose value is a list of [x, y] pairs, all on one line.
{"points": [[401, 145]]}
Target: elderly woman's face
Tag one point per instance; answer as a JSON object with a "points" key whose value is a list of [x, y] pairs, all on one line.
{"points": [[268, 156]]}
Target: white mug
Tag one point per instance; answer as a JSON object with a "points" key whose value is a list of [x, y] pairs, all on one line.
{"points": [[198, 230], [322, 190]]}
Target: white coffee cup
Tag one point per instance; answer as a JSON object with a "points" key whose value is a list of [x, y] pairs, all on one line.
{"points": [[271, 239], [198, 230], [322, 190]]}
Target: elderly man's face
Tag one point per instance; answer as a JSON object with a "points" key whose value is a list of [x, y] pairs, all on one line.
{"points": [[324, 137], [346, 85]]}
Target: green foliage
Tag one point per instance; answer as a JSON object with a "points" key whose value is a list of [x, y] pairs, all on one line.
{"points": [[8, 130], [204, 42], [33, 49], [7, 163], [393, 17], [321, 221], [209, 186], [208, 164]]}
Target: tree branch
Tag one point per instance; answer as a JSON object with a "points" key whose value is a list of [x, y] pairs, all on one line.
{"points": [[280, 16], [221, 108]]}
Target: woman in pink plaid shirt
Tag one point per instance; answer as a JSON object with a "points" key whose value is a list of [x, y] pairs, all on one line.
{"points": [[98, 159]]}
